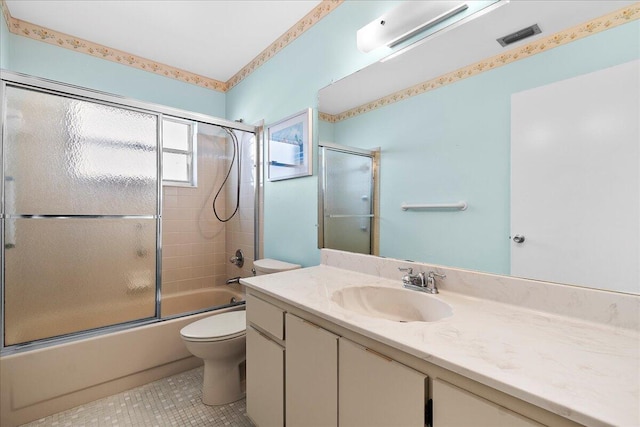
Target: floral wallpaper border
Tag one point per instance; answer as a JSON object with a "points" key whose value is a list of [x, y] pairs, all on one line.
{"points": [[309, 20], [594, 26], [5, 12], [36, 32]]}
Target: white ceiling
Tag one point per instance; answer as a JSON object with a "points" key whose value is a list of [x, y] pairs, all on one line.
{"points": [[459, 46], [213, 38]]}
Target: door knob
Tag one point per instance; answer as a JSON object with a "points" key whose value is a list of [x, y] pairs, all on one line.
{"points": [[518, 238]]}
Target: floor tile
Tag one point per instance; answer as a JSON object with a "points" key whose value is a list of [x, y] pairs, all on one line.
{"points": [[172, 401]]}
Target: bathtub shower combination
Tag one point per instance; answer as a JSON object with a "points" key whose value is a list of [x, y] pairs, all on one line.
{"points": [[92, 241]]}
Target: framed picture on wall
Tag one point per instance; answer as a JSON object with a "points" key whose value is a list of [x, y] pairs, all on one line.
{"points": [[289, 147]]}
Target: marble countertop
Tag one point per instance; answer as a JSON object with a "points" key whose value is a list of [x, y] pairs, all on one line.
{"points": [[585, 371]]}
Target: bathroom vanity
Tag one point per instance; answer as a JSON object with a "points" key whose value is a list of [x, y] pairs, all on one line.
{"points": [[499, 359]]}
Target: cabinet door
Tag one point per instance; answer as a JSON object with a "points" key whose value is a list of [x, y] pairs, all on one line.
{"points": [[377, 391], [312, 374], [455, 407], [265, 380]]}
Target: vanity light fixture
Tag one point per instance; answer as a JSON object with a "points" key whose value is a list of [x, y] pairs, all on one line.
{"points": [[405, 21], [454, 24]]}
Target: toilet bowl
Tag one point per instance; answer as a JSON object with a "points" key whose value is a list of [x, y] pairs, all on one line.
{"points": [[220, 341]]}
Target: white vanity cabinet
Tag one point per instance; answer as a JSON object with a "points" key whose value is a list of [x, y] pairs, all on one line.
{"points": [[375, 390], [265, 363], [311, 379], [303, 371], [322, 379], [455, 407], [331, 381]]}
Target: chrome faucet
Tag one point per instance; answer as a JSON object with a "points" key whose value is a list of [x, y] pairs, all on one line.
{"points": [[423, 282], [233, 280], [412, 279], [431, 282]]}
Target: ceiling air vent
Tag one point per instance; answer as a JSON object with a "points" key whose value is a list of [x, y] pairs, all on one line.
{"points": [[519, 35]]}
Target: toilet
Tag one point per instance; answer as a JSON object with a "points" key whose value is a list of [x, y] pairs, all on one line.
{"points": [[220, 341]]}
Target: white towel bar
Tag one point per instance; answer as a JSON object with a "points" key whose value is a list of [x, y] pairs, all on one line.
{"points": [[351, 216], [461, 205]]}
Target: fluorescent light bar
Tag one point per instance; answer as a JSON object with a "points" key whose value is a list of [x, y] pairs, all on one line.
{"points": [[405, 21], [443, 30], [435, 21]]}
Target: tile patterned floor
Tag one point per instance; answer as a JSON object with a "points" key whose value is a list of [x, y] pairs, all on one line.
{"points": [[171, 401]]}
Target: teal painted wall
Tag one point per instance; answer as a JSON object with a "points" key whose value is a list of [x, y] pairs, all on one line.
{"points": [[4, 43], [51, 62], [454, 144], [289, 83]]}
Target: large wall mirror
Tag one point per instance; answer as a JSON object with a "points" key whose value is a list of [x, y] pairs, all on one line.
{"points": [[539, 139]]}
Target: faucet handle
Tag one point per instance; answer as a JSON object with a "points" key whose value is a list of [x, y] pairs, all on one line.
{"points": [[433, 274], [408, 270]]}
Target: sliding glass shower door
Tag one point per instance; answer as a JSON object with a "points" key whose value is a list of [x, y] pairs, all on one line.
{"points": [[80, 214], [346, 199]]}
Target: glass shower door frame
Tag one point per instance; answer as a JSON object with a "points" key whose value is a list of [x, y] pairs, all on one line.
{"points": [[14, 79], [3, 108], [77, 94], [322, 188]]}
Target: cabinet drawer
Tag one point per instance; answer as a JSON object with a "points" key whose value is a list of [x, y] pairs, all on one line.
{"points": [[265, 316]]}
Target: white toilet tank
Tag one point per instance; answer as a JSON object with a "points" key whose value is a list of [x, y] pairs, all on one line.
{"points": [[268, 266]]}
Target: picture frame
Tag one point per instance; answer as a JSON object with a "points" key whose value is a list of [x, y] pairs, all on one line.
{"points": [[289, 151]]}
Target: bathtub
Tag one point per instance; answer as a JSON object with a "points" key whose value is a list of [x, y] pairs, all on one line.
{"points": [[41, 382], [199, 299]]}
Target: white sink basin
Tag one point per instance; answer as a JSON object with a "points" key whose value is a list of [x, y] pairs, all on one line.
{"points": [[397, 304]]}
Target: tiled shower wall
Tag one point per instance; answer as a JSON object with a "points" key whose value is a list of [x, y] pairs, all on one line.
{"points": [[196, 246]]}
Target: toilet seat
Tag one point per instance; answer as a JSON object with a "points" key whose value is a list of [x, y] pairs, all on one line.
{"points": [[218, 327]]}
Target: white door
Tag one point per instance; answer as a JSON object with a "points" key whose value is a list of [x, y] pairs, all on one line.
{"points": [[575, 189]]}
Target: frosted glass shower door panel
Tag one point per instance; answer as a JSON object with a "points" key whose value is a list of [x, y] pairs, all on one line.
{"points": [[348, 234], [74, 157], [69, 275], [347, 201]]}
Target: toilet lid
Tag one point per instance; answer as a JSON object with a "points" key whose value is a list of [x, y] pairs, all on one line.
{"points": [[268, 265], [225, 325]]}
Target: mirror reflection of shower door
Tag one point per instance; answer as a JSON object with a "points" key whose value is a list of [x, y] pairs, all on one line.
{"points": [[81, 181], [347, 177]]}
